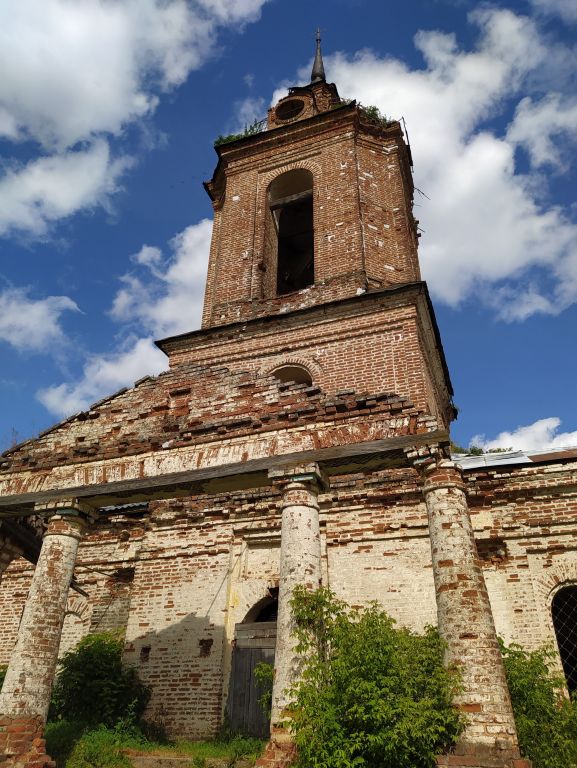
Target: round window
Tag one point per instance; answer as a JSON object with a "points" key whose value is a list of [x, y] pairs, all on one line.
{"points": [[290, 109]]}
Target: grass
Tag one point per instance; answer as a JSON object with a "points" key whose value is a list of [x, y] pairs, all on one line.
{"points": [[74, 747]]}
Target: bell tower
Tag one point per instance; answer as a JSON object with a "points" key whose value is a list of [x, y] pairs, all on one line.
{"points": [[313, 272], [316, 207]]}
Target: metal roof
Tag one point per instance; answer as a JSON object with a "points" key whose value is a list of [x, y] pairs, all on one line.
{"points": [[471, 461]]}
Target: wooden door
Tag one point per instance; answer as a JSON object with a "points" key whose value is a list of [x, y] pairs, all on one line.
{"points": [[253, 643]]}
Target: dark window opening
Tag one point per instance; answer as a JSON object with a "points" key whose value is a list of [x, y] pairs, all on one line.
{"points": [[564, 612], [268, 612], [295, 246], [289, 109], [291, 207]]}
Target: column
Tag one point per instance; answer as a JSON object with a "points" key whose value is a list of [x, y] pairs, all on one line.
{"points": [[300, 563], [26, 691], [466, 625]]}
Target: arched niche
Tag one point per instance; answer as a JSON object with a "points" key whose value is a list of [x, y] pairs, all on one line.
{"points": [[297, 373]]}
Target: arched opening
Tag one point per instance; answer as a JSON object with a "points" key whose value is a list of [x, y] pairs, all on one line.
{"points": [[265, 610], [254, 643], [290, 198], [564, 613], [297, 373]]}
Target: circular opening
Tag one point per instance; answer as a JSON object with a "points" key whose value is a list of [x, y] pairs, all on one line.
{"points": [[293, 373], [289, 109]]}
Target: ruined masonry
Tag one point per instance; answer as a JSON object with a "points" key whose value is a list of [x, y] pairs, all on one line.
{"points": [[300, 437]]}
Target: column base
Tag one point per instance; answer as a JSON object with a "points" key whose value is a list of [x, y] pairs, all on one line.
{"points": [[22, 744], [280, 751]]}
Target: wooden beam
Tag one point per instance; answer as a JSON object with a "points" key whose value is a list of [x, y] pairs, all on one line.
{"points": [[339, 460]]}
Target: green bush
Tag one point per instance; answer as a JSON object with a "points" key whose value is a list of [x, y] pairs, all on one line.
{"points": [[546, 719], [370, 694], [94, 687]]}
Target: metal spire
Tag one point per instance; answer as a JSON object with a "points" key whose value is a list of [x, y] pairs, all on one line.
{"points": [[318, 73]]}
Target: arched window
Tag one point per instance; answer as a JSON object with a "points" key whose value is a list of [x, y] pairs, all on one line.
{"points": [[297, 373], [290, 198], [564, 612]]}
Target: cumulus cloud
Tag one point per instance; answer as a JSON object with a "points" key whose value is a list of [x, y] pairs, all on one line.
{"points": [[80, 73], [32, 325], [166, 298], [47, 189], [537, 125], [162, 299], [489, 229], [74, 70], [541, 435], [103, 375]]}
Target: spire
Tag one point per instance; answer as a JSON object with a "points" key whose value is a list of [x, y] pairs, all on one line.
{"points": [[318, 73]]}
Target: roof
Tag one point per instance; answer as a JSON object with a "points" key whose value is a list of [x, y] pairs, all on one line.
{"points": [[471, 461]]}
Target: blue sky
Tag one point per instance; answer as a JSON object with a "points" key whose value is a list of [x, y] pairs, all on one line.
{"points": [[108, 113]]}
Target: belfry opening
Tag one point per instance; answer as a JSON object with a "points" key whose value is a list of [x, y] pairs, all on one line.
{"points": [[291, 208]]}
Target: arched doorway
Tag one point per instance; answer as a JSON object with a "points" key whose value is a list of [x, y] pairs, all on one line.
{"points": [[254, 642], [564, 613]]}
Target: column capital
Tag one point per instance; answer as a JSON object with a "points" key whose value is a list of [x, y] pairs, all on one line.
{"points": [[66, 508], [443, 474], [299, 473]]}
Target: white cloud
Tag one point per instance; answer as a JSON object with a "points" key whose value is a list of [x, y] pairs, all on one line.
{"points": [[103, 375], [167, 299], [538, 127], [71, 70], [489, 230], [50, 188], [80, 73], [566, 9], [541, 435], [32, 325], [247, 112]]}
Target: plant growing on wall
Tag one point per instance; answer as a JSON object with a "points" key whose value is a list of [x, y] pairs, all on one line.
{"points": [[94, 687], [546, 719], [370, 694]]}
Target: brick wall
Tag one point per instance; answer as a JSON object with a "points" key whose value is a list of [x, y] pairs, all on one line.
{"points": [[201, 564], [365, 235]]}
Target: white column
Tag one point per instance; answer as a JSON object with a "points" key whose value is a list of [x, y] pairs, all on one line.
{"points": [[465, 618], [300, 563], [28, 683]]}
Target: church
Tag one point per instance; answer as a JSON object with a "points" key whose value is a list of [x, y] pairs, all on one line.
{"points": [[301, 436]]}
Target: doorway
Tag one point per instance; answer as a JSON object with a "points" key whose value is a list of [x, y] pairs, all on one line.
{"points": [[255, 641]]}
